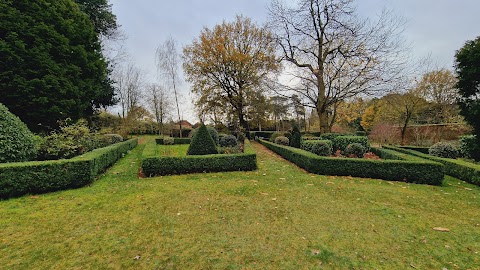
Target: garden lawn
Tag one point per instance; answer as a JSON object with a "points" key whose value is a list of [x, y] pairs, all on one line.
{"points": [[277, 217]]}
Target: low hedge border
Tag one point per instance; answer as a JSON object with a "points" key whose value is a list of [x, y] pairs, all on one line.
{"points": [[175, 140], [153, 166], [35, 177], [418, 171], [416, 148], [460, 169]]}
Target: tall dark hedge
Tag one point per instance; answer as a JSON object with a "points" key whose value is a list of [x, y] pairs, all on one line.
{"points": [[202, 143], [296, 137], [51, 65], [467, 67], [16, 141]]}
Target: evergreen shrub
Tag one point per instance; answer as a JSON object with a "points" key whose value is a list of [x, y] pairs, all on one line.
{"points": [[17, 142], [228, 141], [202, 143], [355, 150], [341, 142], [318, 147], [443, 149], [282, 140]]}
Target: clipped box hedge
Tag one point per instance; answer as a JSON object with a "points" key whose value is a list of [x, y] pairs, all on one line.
{"points": [[460, 169], [34, 177], [175, 140], [416, 148], [153, 166], [418, 171]]}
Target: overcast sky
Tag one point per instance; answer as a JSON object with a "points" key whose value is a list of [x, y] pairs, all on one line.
{"points": [[435, 28]]}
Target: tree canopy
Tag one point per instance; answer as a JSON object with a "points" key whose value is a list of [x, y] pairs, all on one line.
{"points": [[467, 66], [229, 62], [51, 62], [100, 14]]}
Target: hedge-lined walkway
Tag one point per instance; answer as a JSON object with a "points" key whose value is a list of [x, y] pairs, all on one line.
{"points": [[277, 217]]}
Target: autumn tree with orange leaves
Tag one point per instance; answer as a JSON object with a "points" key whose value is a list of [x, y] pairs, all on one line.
{"points": [[228, 64]]}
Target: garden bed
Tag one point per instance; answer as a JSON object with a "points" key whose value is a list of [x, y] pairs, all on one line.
{"points": [[397, 167], [34, 177], [153, 163]]}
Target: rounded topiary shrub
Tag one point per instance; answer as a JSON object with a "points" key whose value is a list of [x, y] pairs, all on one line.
{"points": [[211, 130], [228, 141], [17, 142], [168, 141], [319, 147], [202, 143], [282, 140], [443, 149], [355, 150]]}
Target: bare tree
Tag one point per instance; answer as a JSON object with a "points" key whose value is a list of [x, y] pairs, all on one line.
{"points": [[160, 104], [167, 65], [128, 87], [334, 54]]}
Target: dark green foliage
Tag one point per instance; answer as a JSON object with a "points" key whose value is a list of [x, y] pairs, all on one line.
{"points": [[175, 140], [341, 142], [202, 143], [416, 148], [443, 149], [469, 146], [318, 147], [17, 143], [247, 161], [467, 67], [34, 177], [466, 171], [51, 63], [360, 133], [228, 141], [278, 134], [241, 137], [261, 134], [282, 140], [355, 150], [420, 172], [211, 130], [312, 138], [296, 137], [331, 136], [100, 14], [70, 141]]}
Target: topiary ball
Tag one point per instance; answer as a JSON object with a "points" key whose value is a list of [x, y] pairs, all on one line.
{"points": [[355, 150], [17, 142], [443, 149], [202, 143], [282, 140]]}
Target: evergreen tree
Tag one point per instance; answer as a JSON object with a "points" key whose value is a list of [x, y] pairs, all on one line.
{"points": [[51, 65]]}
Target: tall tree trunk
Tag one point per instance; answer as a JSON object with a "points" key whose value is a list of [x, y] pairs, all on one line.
{"points": [[321, 109]]}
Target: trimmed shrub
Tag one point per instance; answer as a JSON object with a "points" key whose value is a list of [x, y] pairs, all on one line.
{"points": [[360, 133], [443, 149], [112, 138], [261, 134], [175, 141], [168, 141], [331, 136], [282, 140], [355, 150], [202, 143], [414, 171], [33, 177], [318, 147], [416, 148], [341, 142], [241, 137], [247, 161], [17, 142], [469, 146], [228, 141], [296, 137], [466, 171], [311, 139], [279, 134], [211, 130]]}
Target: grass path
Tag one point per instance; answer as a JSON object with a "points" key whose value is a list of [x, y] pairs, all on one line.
{"points": [[278, 217]]}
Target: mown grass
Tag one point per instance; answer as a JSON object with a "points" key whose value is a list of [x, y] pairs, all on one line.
{"points": [[277, 217]]}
